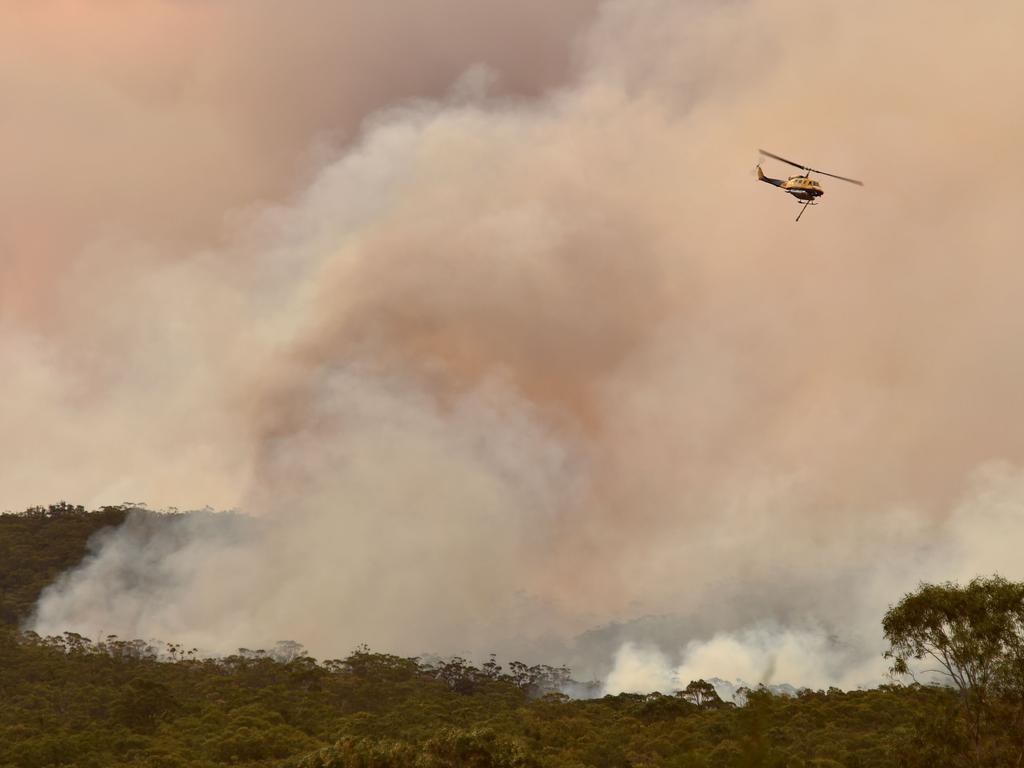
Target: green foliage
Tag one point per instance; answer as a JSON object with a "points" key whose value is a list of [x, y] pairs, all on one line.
{"points": [[972, 637], [452, 748], [702, 695], [73, 701], [40, 543], [68, 701]]}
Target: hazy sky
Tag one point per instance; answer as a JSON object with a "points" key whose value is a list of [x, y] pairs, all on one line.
{"points": [[481, 307]]}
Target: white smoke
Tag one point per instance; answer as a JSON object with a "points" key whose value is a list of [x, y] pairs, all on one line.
{"points": [[406, 534], [982, 535], [641, 669], [760, 655], [511, 368]]}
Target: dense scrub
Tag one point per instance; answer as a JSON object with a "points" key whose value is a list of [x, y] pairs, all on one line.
{"points": [[37, 545], [72, 701], [67, 701]]}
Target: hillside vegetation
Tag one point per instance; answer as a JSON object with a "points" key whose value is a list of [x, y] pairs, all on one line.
{"points": [[68, 701], [71, 701], [37, 545]]}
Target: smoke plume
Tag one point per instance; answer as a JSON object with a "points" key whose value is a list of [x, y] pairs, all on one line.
{"points": [[505, 344]]}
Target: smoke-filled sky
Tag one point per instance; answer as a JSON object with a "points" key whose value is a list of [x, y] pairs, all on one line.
{"points": [[479, 306]]}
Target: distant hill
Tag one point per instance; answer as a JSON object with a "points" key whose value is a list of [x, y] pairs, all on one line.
{"points": [[38, 544]]}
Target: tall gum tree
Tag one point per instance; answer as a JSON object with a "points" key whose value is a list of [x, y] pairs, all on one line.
{"points": [[972, 638]]}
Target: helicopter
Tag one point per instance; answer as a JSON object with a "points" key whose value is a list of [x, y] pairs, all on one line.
{"points": [[805, 189]]}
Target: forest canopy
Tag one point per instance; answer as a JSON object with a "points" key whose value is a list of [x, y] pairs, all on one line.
{"points": [[89, 702]]}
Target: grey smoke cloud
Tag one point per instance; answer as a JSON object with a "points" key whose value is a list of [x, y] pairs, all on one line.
{"points": [[511, 368], [142, 147], [158, 119]]}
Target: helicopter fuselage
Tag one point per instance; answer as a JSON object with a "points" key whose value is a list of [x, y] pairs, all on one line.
{"points": [[805, 189], [800, 187]]}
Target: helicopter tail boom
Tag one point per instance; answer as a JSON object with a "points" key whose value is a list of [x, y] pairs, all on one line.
{"points": [[762, 177]]}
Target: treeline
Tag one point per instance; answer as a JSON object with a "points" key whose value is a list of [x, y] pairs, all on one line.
{"points": [[71, 702]]}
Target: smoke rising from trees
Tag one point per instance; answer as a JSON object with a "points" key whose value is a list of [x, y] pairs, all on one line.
{"points": [[524, 350]]}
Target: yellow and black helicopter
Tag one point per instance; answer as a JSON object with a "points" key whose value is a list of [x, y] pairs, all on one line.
{"points": [[805, 189]]}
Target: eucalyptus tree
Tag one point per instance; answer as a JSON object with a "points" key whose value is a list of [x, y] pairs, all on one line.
{"points": [[972, 638]]}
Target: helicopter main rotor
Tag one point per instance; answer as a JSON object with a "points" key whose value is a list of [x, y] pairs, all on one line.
{"points": [[808, 170]]}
